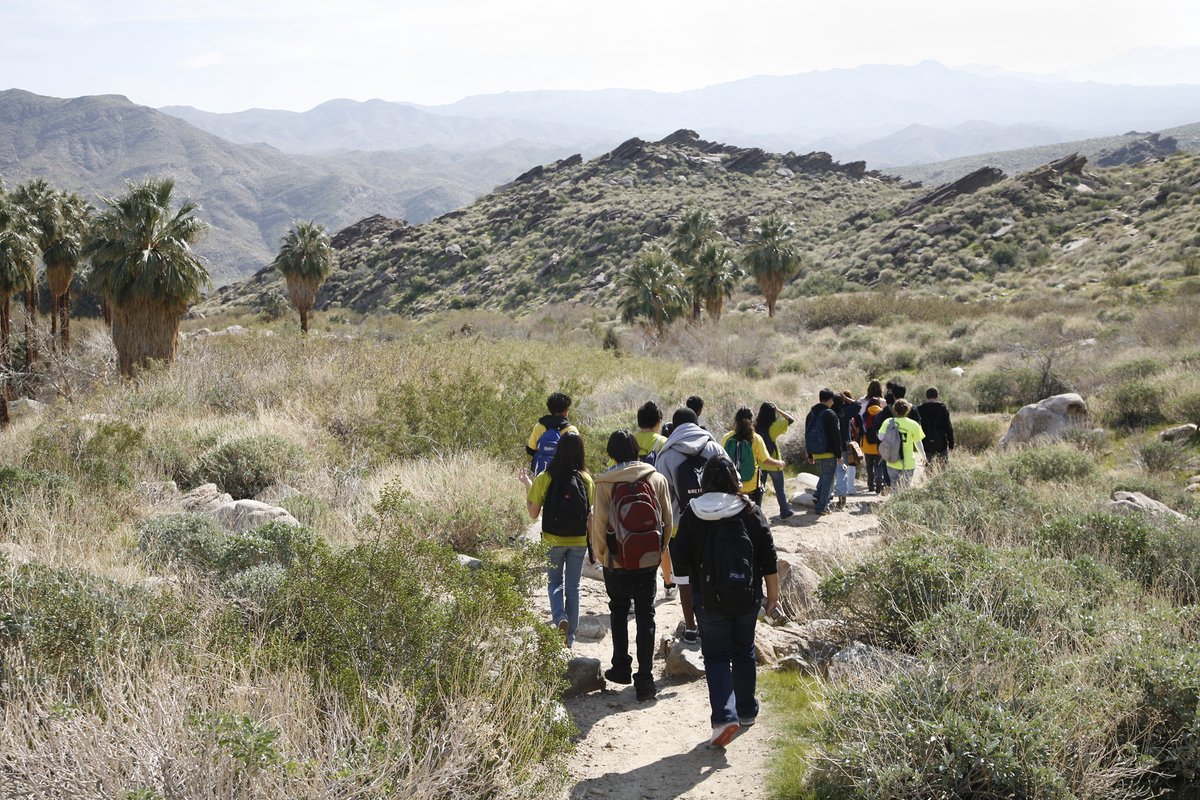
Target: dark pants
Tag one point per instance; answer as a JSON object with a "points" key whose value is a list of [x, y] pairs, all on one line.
{"points": [[625, 587], [826, 474], [727, 644], [874, 480], [937, 457]]}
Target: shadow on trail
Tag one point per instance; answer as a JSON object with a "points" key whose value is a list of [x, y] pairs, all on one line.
{"points": [[587, 710], [665, 779]]}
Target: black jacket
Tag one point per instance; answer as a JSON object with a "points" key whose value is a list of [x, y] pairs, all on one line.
{"points": [[914, 415], [833, 429], [935, 420], [688, 546], [848, 412]]}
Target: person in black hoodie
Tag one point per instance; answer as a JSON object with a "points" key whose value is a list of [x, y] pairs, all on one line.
{"points": [[543, 439], [822, 424], [711, 543], [849, 418], [935, 421]]}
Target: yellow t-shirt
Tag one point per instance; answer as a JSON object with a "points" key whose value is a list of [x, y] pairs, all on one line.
{"points": [[539, 429], [759, 448], [778, 428], [910, 434], [537, 496]]}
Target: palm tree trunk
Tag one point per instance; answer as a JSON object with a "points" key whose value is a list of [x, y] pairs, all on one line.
{"points": [[304, 320], [64, 325], [144, 333], [53, 317], [30, 325], [5, 358]]}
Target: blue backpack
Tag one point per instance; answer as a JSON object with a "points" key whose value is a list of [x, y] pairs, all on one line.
{"points": [[547, 445], [815, 440]]}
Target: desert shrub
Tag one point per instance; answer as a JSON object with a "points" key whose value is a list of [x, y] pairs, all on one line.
{"points": [[193, 540], [1159, 457], [261, 585], [957, 635], [1186, 407], [16, 483], [976, 434], [1094, 441], [1133, 404], [944, 353], [244, 467], [108, 456], [983, 505], [1137, 369], [1004, 390], [1058, 463]]}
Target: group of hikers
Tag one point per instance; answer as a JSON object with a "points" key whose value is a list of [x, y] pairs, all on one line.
{"points": [[679, 501]]}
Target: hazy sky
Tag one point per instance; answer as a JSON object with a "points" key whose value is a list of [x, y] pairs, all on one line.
{"points": [[226, 55]]}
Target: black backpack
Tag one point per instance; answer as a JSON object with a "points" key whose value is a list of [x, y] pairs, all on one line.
{"points": [[565, 512], [687, 479], [728, 586]]}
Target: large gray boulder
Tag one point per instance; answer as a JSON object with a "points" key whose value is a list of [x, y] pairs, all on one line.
{"points": [[862, 661], [583, 676], [246, 515], [1047, 420], [1138, 503], [798, 589], [204, 499], [1179, 433]]}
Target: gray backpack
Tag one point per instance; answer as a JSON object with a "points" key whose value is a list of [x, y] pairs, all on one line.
{"points": [[891, 444]]}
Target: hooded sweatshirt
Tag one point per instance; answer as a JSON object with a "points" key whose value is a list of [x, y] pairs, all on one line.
{"points": [[624, 473], [548, 422], [686, 440], [697, 522]]}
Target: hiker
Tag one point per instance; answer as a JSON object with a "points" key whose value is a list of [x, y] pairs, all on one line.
{"points": [[869, 441], [899, 451], [563, 494], [770, 425], [822, 443], [848, 411], [549, 429], [724, 546], [696, 404], [650, 442], [681, 461], [895, 391], [749, 453], [939, 432], [630, 529]]}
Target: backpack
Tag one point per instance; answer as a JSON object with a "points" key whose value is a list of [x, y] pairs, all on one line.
{"points": [[566, 509], [870, 429], [687, 479], [547, 445], [635, 526], [727, 584], [815, 440], [891, 444], [742, 454], [650, 458]]}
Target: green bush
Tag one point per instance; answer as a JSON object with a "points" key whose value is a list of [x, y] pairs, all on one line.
{"points": [[192, 540], [976, 434], [1186, 407], [1166, 721], [1137, 369], [1006, 390], [1133, 404], [108, 456], [1058, 463], [244, 467], [1160, 457], [261, 585]]}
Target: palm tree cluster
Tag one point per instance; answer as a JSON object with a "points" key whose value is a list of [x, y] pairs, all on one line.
{"points": [[699, 269]]}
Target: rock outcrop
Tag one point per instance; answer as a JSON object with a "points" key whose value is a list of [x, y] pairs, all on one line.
{"points": [[798, 590], [1135, 152], [246, 515], [1179, 433], [967, 184], [1046, 421], [1138, 503]]}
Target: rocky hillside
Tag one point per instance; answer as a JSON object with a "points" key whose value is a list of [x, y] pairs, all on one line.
{"points": [[250, 194], [564, 231]]}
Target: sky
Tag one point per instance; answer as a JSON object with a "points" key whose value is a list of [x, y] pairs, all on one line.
{"points": [[228, 55]]}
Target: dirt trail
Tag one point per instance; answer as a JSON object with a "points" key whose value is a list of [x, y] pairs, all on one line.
{"points": [[659, 749]]}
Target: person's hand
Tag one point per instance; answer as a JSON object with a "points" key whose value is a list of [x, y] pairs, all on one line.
{"points": [[772, 607], [523, 477]]}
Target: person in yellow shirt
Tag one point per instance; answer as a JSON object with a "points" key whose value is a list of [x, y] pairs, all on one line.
{"points": [[543, 439], [770, 425], [749, 454], [563, 495], [901, 472]]}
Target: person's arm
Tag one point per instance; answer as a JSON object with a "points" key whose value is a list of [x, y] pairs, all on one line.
{"points": [[535, 493], [766, 558], [772, 582], [949, 432], [761, 457], [681, 555]]}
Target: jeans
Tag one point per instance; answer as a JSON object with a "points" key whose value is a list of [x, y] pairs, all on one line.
{"points": [[638, 587], [874, 481], [845, 479], [901, 478], [562, 584], [825, 477], [777, 478], [882, 478], [727, 644]]}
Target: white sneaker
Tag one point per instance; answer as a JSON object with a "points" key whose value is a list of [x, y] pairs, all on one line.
{"points": [[723, 733], [670, 592]]}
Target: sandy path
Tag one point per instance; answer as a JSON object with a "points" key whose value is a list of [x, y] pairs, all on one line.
{"points": [[659, 749]]}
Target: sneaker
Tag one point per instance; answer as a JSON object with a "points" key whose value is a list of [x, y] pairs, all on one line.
{"points": [[564, 628], [613, 676], [841, 503], [723, 733], [645, 690], [746, 722], [691, 635], [786, 514], [826, 512], [670, 591]]}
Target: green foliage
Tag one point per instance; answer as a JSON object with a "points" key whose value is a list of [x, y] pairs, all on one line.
{"points": [[305, 253], [1186, 407], [1006, 390], [1166, 676], [244, 467], [198, 541], [1058, 463], [194, 540], [1160, 457], [17, 483], [976, 434], [1133, 404], [252, 746], [652, 290]]}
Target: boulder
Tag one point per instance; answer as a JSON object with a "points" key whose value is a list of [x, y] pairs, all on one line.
{"points": [[861, 660], [204, 499], [683, 659], [968, 184], [1194, 480], [246, 515], [470, 562], [25, 408], [957, 371], [14, 555], [806, 498], [798, 589], [1179, 433], [1138, 503], [795, 664], [1047, 420], [583, 675], [591, 629]]}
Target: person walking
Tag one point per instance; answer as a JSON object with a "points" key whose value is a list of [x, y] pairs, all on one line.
{"points": [[544, 437], [902, 469], [562, 495], [822, 443], [725, 547], [681, 462], [748, 451], [631, 527], [849, 413], [939, 431], [770, 425], [696, 404], [650, 443], [869, 441]]}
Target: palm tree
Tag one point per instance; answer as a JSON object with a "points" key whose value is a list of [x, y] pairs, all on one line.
{"points": [[654, 290], [714, 278], [695, 229], [143, 263], [18, 264], [306, 258], [771, 257], [38, 198], [62, 220]]}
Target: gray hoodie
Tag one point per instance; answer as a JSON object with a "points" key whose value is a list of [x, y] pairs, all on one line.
{"points": [[686, 440]]}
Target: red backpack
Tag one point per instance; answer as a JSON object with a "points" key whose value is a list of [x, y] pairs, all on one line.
{"points": [[635, 522]]}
